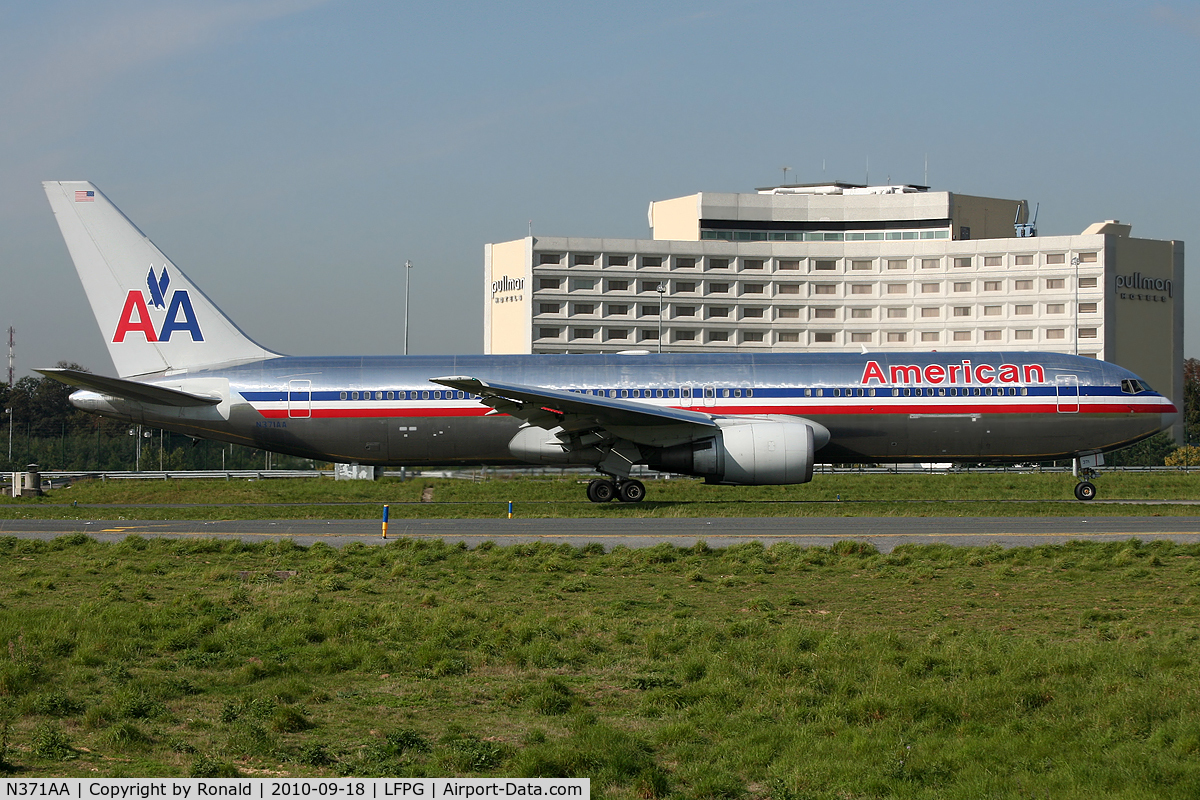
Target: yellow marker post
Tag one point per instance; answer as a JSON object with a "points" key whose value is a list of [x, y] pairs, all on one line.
{"points": [[385, 518]]}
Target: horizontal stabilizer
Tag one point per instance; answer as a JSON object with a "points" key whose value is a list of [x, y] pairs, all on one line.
{"points": [[129, 390]]}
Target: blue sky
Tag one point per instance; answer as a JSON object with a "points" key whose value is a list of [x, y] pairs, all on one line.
{"points": [[289, 155]]}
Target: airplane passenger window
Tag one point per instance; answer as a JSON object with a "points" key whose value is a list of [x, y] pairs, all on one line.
{"points": [[437, 395], [425, 395], [343, 396], [391, 395], [612, 392], [354, 395], [737, 392], [871, 392], [941, 392], [808, 392], [670, 392], [820, 392], [837, 392], [379, 395], [1024, 390], [749, 393], [658, 392]]}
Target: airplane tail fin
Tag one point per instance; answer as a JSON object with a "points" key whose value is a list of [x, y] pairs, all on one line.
{"points": [[151, 315]]}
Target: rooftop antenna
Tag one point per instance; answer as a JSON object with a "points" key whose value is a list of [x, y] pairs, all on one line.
{"points": [[11, 333], [926, 169], [785, 172], [868, 171]]}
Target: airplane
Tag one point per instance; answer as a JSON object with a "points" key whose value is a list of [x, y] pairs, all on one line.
{"points": [[731, 418]]}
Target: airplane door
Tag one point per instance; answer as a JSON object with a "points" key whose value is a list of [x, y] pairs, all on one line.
{"points": [[299, 399], [710, 396], [1068, 393]]}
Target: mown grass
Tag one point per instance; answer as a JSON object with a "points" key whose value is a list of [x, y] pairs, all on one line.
{"points": [[1062, 671], [843, 494]]}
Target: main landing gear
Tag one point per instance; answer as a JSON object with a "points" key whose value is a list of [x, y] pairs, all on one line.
{"points": [[602, 490], [1084, 469]]}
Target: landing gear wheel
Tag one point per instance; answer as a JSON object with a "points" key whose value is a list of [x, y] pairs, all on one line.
{"points": [[632, 491], [601, 491], [1085, 490]]}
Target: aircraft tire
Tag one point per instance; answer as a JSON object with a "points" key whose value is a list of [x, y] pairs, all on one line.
{"points": [[1085, 490], [601, 491], [632, 492]]}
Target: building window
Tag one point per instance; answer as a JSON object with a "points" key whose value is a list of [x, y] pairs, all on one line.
{"points": [[962, 262], [548, 333], [993, 261], [548, 308], [549, 258], [930, 288], [788, 263], [824, 288], [1023, 310], [824, 313], [718, 336], [685, 263], [860, 288], [752, 263], [897, 263], [788, 337], [962, 336], [1056, 333], [685, 336], [859, 264], [1087, 333], [822, 337], [1023, 335], [549, 283], [897, 336], [584, 261], [618, 286], [752, 336], [685, 286], [926, 313], [1023, 286], [648, 334], [789, 288], [1087, 258], [652, 261], [1024, 260], [991, 286], [962, 311], [897, 288], [582, 284], [718, 311], [897, 313], [930, 336], [860, 313], [1056, 258], [618, 333], [718, 263], [824, 264], [752, 313], [648, 310], [962, 287], [718, 288], [752, 288], [789, 313], [860, 337], [1087, 283], [583, 333], [930, 263], [1055, 308], [1087, 308], [685, 311], [991, 336], [583, 308], [992, 311], [649, 286]]}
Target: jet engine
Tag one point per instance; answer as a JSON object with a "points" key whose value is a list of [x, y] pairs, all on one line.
{"points": [[762, 452]]}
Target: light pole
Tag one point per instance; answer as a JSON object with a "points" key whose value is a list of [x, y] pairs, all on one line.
{"points": [[1075, 263], [10, 427], [661, 291], [407, 275]]}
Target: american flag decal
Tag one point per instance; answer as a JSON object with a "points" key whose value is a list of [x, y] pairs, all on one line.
{"points": [[85, 197]]}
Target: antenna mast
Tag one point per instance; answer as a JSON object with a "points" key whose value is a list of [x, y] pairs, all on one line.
{"points": [[11, 333]]}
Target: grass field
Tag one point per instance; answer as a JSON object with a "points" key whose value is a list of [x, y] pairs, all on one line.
{"points": [[843, 494], [1058, 671]]}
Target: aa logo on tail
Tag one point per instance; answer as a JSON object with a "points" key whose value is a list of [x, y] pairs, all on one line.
{"points": [[135, 316]]}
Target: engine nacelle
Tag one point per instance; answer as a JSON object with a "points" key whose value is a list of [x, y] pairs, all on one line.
{"points": [[763, 452]]}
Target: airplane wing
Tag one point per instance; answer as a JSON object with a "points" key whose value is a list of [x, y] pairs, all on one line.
{"points": [[640, 423], [130, 390]]}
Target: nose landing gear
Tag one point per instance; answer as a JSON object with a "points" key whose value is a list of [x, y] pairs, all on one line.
{"points": [[1084, 469], [627, 490]]}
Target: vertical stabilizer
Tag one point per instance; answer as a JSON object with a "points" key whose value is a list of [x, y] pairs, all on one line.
{"points": [[151, 315]]}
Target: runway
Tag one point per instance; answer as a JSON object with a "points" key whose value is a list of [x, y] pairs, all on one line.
{"points": [[885, 533]]}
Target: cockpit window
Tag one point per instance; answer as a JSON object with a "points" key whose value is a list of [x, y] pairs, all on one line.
{"points": [[1131, 386]]}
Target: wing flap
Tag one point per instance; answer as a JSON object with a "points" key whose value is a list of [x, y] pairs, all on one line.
{"points": [[129, 390]]}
